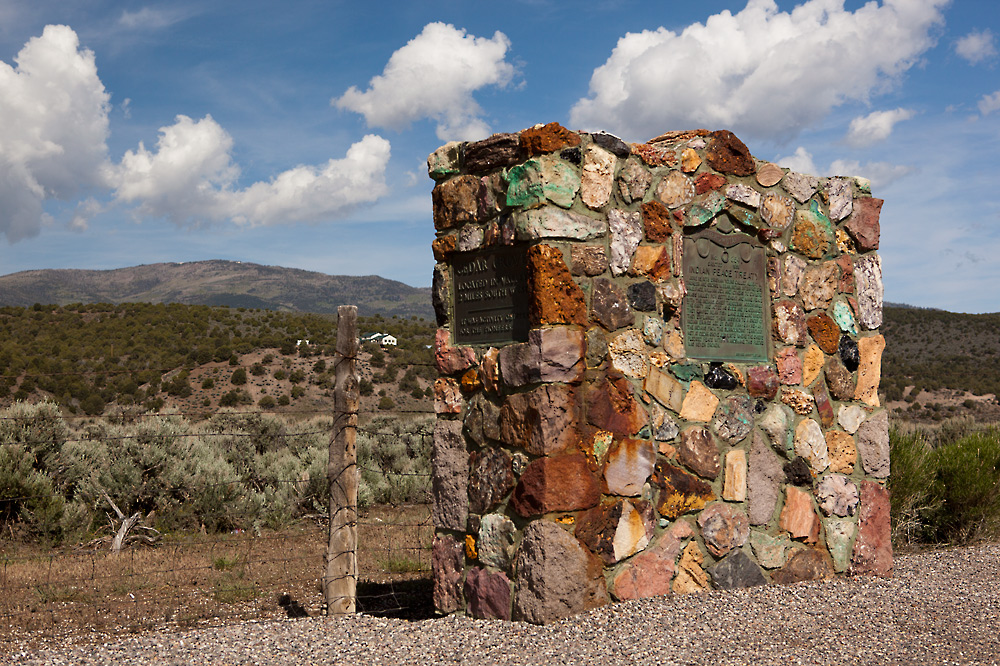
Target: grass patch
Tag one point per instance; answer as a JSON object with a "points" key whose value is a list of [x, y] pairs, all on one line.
{"points": [[223, 563], [403, 564], [233, 589]]}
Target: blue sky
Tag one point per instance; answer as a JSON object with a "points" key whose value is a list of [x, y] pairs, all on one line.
{"points": [[296, 133]]}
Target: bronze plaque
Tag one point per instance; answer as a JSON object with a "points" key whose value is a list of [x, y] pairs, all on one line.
{"points": [[725, 316], [490, 296]]}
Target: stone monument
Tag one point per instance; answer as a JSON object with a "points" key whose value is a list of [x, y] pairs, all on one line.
{"points": [[659, 368]]}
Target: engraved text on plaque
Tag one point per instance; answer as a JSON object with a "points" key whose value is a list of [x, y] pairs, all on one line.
{"points": [[726, 312], [490, 296]]}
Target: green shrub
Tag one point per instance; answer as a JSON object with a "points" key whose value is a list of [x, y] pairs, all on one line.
{"points": [[267, 402], [386, 403], [239, 377], [967, 486], [910, 483]]}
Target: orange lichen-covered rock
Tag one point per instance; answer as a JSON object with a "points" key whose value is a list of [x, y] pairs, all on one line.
{"points": [[554, 297]]}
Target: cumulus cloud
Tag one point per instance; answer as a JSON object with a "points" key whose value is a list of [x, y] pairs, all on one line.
{"points": [[989, 103], [881, 174], [434, 76], [190, 178], [761, 71], [53, 128], [875, 127], [977, 46]]}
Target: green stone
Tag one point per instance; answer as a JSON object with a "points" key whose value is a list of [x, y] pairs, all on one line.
{"points": [[845, 320], [546, 178], [704, 212], [686, 371], [839, 537]]}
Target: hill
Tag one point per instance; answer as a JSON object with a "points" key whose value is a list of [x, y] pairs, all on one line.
{"points": [[217, 282]]}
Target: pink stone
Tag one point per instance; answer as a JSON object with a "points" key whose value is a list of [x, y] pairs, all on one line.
{"points": [[487, 594], [798, 517], [863, 225], [837, 495], [629, 463], [762, 382], [819, 285], [790, 323], [789, 366], [649, 574], [873, 546], [447, 562], [449, 359]]}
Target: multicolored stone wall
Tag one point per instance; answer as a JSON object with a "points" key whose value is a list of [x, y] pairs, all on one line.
{"points": [[592, 459]]}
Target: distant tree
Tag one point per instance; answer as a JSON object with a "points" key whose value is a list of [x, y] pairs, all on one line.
{"points": [[386, 403], [239, 377]]}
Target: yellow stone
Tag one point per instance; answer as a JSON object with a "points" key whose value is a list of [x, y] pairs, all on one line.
{"points": [[659, 359], [843, 452], [470, 547], [566, 520], [801, 402], [735, 487], [870, 369], [646, 259], [690, 576], [699, 403], [673, 344], [812, 365], [690, 161], [844, 244], [664, 388]]}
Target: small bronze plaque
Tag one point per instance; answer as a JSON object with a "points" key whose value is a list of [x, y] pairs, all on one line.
{"points": [[725, 316], [490, 296]]}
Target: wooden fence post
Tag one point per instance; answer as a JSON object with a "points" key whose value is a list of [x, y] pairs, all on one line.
{"points": [[341, 578]]}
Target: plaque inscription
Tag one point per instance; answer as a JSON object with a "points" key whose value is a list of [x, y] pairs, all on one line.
{"points": [[490, 296], [725, 316]]}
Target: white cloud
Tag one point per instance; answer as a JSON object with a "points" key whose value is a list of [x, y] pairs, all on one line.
{"points": [[149, 18], [190, 179], [977, 46], [762, 72], [434, 76], [53, 128], [879, 173], [875, 127], [989, 103]]}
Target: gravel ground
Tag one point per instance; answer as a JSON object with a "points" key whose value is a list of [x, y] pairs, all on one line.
{"points": [[940, 608]]}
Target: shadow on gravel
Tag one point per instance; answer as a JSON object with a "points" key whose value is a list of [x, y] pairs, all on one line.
{"points": [[403, 600]]}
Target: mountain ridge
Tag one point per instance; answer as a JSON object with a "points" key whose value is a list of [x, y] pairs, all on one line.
{"points": [[217, 282]]}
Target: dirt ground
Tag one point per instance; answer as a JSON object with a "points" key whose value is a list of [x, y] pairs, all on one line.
{"points": [[56, 597]]}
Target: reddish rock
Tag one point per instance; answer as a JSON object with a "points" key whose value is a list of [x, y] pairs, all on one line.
{"points": [[541, 421], [492, 197], [470, 382], [762, 381], [448, 358], [557, 576], [499, 150], [789, 366], [450, 478], [805, 564], [455, 201], [629, 464], [656, 218], [447, 563], [699, 453], [845, 281], [863, 225], [649, 573], [873, 546], [823, 405], [727, 154], [680, 492], [482, 421], [723, 527], [588, 260], [547, 138], [654, 155], [652, 261], [790, 323], [554, 298], [708, 182], [798, 517], [487, 594], [550, 355], [611, 406], [825, 332], [491, 478], [558, 483]]}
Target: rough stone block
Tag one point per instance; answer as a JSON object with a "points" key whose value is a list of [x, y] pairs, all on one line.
{"points": [[735, 571], [490, 479], [699, 403], [447, 564], [598, 177], [734, 488], [552, 222], [450, 481], [869, 369], [863, 226], [554, 298], [487, 594], [499, 150], [723, 527], [611, 406], [873, 445], [541, 421], [873, 546], [649, 574], [698, 452], [455, 202], [680, 492], [557, 483], [798, 517], [868, 285], [629, 464], [804, 564]]}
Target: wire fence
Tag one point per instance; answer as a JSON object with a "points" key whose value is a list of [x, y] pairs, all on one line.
{"points": [[230, 521]]}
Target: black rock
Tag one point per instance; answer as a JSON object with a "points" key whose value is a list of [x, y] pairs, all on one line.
{"points": [[571, 155], [717, 378], [849, 354], [736, 570], [759, 407], [642, 296], [612, 143], [291, 606], [797, 472], [440, 295]]}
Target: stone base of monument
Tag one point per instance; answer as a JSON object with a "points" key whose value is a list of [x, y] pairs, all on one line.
{"points": [[659, 373]]}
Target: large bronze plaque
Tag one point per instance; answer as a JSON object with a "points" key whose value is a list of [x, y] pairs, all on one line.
{"points": [[725, 316], [490, 296]]}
